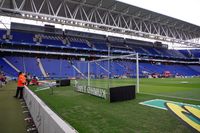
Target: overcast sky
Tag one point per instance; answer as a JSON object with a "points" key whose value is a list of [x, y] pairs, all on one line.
{"points": [[187, 10]]}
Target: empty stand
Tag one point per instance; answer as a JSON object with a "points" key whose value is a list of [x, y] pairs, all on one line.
{"points": [[71, 68], [7, 69]]}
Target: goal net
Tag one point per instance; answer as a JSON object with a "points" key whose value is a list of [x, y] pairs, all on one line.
{"points": [[96, 77]]}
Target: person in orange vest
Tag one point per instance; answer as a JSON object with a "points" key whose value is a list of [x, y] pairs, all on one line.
{"points": [[20, 85]]}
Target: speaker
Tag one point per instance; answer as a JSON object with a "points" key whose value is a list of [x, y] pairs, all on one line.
{"points": [[63, 82]]}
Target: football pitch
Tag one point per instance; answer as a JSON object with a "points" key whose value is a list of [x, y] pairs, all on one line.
{"points": [[90, 114]]}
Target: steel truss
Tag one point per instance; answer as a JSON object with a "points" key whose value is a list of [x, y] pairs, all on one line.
{"points": [[106, 15]]}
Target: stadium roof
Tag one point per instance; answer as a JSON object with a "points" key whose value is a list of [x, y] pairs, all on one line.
{"points": [[109, 15]]}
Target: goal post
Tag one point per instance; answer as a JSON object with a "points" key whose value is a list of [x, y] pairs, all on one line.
{"points": [[109, 68], [137, 74], [96, 77]]}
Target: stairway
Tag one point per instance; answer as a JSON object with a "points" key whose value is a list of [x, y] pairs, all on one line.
{"points": [[41, 67], [77, 69], [102, 67], [10, 64]]}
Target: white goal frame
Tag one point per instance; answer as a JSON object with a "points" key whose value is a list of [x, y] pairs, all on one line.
{"points": [[119, 57]]}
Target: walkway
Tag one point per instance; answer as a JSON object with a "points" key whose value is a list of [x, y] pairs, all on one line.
{"points": [[11, 116]]}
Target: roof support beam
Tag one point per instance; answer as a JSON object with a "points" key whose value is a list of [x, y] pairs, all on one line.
{"points": [[2, 3], [22, 5], [41, 6], [14, 4], [114, 17], [85, 14], [34, 9], [51, 8], [59, 7], [67, 7]]}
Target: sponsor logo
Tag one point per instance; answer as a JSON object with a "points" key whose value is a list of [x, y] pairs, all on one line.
{"points": [[188, 114], [91, 90]]}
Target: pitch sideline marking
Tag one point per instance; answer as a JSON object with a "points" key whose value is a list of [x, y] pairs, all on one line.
{"points": [[192, 99], [42, 89]]}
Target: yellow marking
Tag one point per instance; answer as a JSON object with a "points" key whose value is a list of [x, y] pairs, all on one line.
{"points": [[194, 111], [179, 111]]}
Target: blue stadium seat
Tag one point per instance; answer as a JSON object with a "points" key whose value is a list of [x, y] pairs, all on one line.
{"points": [[32, 66], [101, 46], [52, 42], [22, 37], [18, 62], [7, 69]]}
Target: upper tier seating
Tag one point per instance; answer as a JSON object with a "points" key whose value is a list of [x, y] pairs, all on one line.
{"points": [[152, 51], [22, 37], [79, 43], [100, 45], [185, 53], [2, 32], [120, 46], [138, 50], [27, 38], [195, 53], [51, 40]]}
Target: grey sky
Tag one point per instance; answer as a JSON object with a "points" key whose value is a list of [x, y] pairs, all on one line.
{"points": [[186, 10]]}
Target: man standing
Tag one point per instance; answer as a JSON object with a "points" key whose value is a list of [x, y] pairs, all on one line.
{"points": [[20, 85]]}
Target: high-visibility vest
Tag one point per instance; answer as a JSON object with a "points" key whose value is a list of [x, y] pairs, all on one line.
{"points": [[21, 80]]}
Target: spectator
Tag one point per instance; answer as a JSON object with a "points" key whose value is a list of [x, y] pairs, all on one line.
{"points": [[2, 79]]}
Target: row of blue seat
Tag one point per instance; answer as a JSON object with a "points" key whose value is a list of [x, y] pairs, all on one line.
{"points": [[76, 68], [24, 37]]}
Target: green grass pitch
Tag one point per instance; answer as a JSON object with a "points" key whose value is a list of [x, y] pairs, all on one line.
{"points": [[90, 114]]}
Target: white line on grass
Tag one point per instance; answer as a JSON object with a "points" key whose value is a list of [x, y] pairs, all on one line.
{"points": [[46, 88], [171, 96]]}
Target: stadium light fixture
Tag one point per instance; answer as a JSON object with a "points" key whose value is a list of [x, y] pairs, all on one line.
{"points": [[168, 39], [110, 28]]}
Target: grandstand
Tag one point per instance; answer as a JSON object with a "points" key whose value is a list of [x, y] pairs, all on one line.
{"points": [[38, 65], [86, 46], [54, 39]]}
